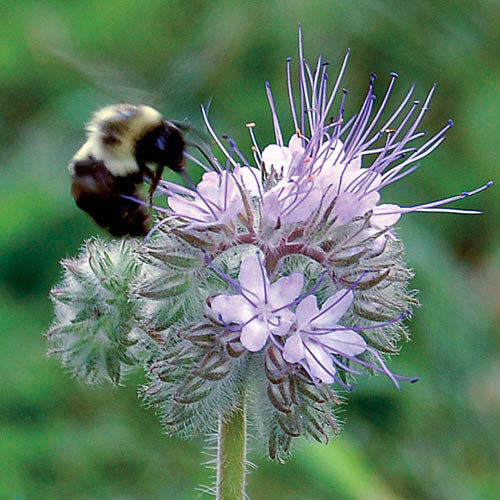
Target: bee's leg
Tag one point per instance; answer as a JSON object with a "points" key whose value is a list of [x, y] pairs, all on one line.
{"points": [[154, 177], [154, 182]]}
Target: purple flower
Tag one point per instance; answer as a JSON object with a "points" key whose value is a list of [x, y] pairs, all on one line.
{"points": [[261, 308], [318, 336], [290, 201], [217, 197]]}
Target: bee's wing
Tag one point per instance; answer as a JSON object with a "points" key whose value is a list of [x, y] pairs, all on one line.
{"points": [[115, 83]]}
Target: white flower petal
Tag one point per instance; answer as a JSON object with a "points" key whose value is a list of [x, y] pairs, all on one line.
{"points": [[320, 362], [295, 145], [253, 277], [254, 335], [354, 164], [345, 342], [271, 208], [285, 290], [277, 158], [232, 308], [307, 201], [351, 205], [294, 349], [307, 308], [190, 208], [386, 215], [249, 178], [333, 309]]}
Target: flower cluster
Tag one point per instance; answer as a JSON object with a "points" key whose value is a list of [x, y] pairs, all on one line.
{"points": [[276, 280]]}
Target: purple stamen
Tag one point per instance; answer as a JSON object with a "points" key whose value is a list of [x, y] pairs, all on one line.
{"points": [[264, 277], [304, 97], [336, 86], [323, 88], [208, 203], [232, 142], [381, 108], [345, 367], [391, 119], [352, 287], [215, 138], [143, 203], [290, 93], [276, 123], [421, 152], [197, 162], [412, 128], [332, 374], [256, 151], [363, 116], [324, 331], [232, 282], [429, 207], [155, 227]]}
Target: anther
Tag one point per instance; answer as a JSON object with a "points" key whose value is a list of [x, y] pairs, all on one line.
{"points": [[250, 125]]}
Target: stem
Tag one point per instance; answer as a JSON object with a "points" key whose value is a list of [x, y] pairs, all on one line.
{"points": [[231, 456]]}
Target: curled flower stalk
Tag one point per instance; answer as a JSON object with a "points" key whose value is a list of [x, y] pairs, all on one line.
{"points": [[273, 283]]}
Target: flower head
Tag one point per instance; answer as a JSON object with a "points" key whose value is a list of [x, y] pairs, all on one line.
{"points": [[281, 278]]}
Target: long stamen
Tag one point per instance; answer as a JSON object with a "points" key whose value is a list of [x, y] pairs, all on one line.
{"points": [[214, 136], [305, 103], [325, 331], [421, 152], [391, 119], [263, 276], [331, 373], [343, 296], [362, 118], [276, 123], [231, 281], [336, 86], [345, 367], [428, 207], [290, 93], [247, 164], [381, 108], [197, 162]]}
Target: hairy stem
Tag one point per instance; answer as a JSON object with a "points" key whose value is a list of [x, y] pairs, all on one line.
{"points": [[231, 456]]}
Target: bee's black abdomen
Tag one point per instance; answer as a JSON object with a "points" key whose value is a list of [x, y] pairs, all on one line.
{"points": [[99, 193]]}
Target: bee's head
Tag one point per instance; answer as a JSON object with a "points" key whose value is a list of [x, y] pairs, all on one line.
{"points": [[163, 146]]}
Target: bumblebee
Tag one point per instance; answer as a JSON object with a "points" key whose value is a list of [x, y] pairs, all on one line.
{"points": [[125, 145]]}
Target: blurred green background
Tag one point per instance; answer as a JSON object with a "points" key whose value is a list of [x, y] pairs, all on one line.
{"points": [[435, 439]]}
